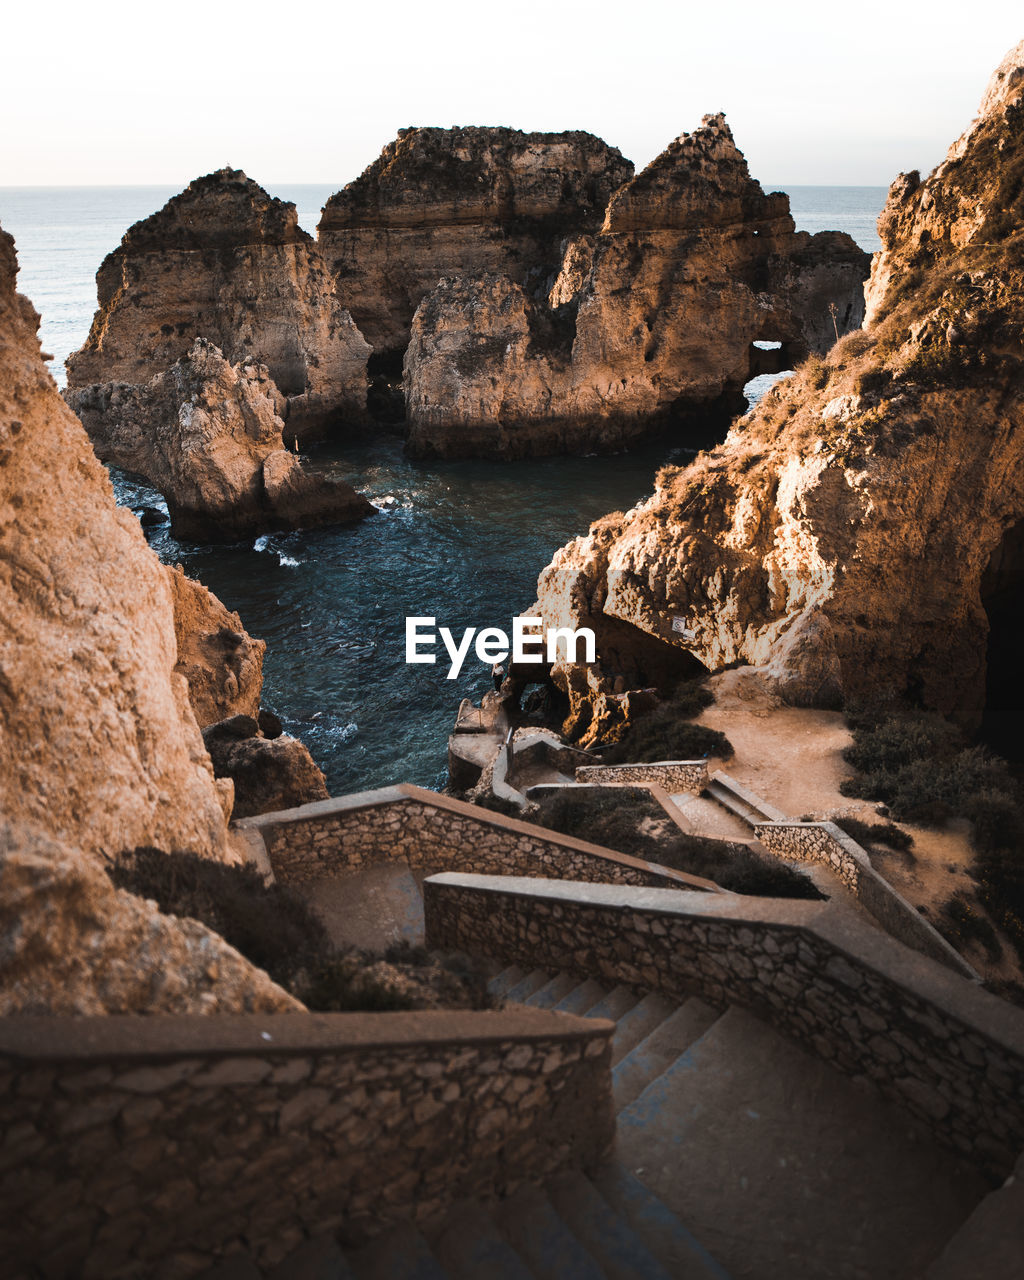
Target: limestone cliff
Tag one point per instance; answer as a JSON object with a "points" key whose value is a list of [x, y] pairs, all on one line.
{"points": [[99, 748], [222, 663], [226, 262], [98, 743], [465, 201], [72, 944], [209, 435], [852, 530], [653, 318]]}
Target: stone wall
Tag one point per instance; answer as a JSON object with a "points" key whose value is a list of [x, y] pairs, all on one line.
{"points": [[145, 1146], [436, 833], [674, 775], [826, 843], [930, 1041]]}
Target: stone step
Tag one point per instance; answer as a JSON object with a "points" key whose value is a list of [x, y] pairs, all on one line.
{"points": [[553, 991], [500, 985], [783, 1167], [401, 1253], [581, 997], [657, 1051], [472, 1248], [525, 988], [317, 1259], [533, 1227], [679, 1252], [614, 1005], [602, 1232], [638, 1023]]}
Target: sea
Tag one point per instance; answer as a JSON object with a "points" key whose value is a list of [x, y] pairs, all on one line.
{"points": [[462, 542]]}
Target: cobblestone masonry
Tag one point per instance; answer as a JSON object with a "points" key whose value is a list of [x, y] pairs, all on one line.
{"points": [[934, 1043], [145, 1146], [674, 775], [436, 833], [824, 842]]}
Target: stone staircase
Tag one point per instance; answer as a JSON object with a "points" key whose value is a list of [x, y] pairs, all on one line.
{"points": [[739, 1157]]}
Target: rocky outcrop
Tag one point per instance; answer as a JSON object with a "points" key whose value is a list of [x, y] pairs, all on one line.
{"points": [[268, 772], [852, 531], [222, 663], [466, 201], [99, 747], [226, 262], [98, 743], [654, 318], [210, 436], [658, 314], [72, 944]]}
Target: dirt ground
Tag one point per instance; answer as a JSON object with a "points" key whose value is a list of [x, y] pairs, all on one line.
{"points": [[792, 758]]}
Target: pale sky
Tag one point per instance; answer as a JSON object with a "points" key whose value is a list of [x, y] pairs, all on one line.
{"points": [[128, 91]]}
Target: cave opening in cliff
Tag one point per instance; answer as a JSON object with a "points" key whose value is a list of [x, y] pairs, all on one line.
{"points": [[644, 660], [1002, 594], [385, 396], [768, 360]]}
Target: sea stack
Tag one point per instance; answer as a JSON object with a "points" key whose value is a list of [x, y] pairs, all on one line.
{"points": [[863, 527], [226, 262], [460, 202], [210, 435], [651, 320]]}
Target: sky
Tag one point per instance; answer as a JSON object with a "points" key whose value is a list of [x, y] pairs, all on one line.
{"points": [[118, 92]]}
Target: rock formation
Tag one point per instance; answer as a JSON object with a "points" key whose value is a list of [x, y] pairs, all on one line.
{"points": [[210, 436], [444, 202], [222, 663], [99, 747], [98, 743], [268, 772], [652, 318], [226, 262], [72, 944], [853, 530]]}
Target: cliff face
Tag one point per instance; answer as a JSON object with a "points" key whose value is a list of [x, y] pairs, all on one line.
{"points": [[209, 435], [99, 744], [652, 318], [226, 262], [852, 531], [99, 747], [460, 202], [222, 663]]}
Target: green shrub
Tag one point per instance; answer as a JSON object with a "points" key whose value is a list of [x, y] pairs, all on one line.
{"points": [[666, 733], [613, 818], [271, 925], [876, 833], [961, 922]]}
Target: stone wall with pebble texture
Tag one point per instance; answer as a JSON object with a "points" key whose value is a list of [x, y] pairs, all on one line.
{"points": [[929, 1040], [151, 1146], [826, 843], [675, 776], [436, 833]]}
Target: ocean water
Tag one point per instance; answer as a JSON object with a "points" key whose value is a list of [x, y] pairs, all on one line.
{"points": [[462, 542]]}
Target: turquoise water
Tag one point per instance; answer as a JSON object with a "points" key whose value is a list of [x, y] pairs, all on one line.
{"points": [[462, 541]]}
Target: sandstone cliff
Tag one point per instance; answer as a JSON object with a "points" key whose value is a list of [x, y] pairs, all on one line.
{"points": [[98, 742], [445, 202], [853, 530], [222, 663], [652, 319], [72, 944], [99, 747], [209, 435], [226, 262]]}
